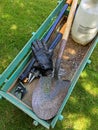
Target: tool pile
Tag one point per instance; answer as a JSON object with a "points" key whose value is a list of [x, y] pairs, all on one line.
{"points": [[50, 90]]}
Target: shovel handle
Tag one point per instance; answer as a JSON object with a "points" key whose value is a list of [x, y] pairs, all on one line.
{"points": [[70, 19], [65, 35]]}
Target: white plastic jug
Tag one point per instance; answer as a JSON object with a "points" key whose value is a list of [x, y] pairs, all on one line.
{"points": [[85, 25]]}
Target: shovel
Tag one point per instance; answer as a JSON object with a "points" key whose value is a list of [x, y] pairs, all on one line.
{"points": [[50, 92]]}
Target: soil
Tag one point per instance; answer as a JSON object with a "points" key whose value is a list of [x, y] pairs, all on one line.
{"points": [[72, 57]]}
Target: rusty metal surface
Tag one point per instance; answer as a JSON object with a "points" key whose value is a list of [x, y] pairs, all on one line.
{"points": [[46, 100]]}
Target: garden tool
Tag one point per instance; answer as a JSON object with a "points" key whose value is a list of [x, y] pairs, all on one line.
{"points": [[32, 63], [20, 91], [68, 2], [50, 92], [33, 74], [36, 72], [23, 76]]}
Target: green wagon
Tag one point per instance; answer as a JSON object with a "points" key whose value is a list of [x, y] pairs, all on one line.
{"points": [[74, 63]]}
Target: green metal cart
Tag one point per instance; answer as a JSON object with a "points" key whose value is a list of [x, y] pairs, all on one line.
{"points": [[10, 76]]}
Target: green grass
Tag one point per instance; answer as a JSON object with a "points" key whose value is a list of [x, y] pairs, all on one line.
{"points": [[18, 19]]}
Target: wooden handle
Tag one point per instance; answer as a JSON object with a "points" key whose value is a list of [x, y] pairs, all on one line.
{"points": [[70, 19], [68, 27], [65, 36]]}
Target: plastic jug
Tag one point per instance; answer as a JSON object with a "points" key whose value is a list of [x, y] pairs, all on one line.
{"points": [[85, 24]]}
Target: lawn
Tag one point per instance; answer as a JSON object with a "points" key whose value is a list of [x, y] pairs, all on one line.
{"points": [[18, 19]]}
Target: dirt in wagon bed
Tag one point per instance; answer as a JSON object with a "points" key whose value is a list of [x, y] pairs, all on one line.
{"points": [[72, 57]]}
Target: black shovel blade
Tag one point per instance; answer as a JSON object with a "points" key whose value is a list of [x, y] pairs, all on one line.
{"points": [[46, 99]]}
